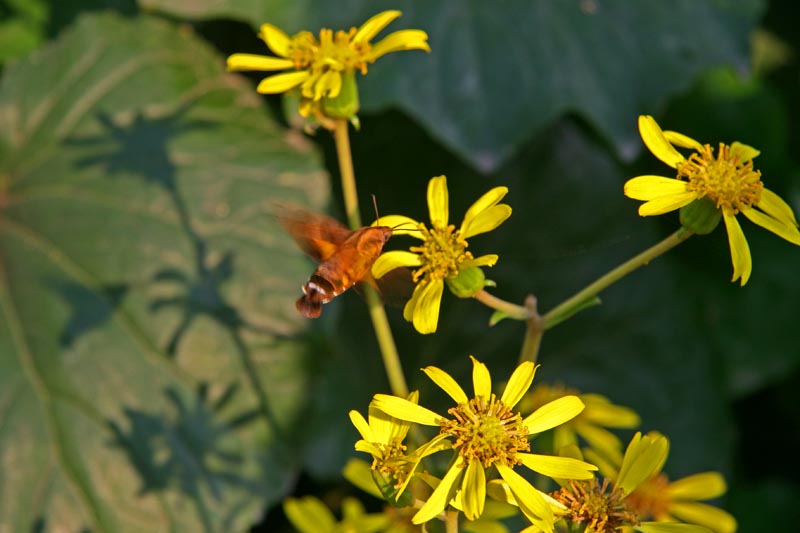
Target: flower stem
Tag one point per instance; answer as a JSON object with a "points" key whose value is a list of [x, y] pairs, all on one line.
{"points": [[507, 308], [451, 523], [380, 323], [579, 300], [533, 333]]}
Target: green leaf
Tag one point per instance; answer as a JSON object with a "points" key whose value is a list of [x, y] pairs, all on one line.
{"points": [[498, 73], [148, 376]]}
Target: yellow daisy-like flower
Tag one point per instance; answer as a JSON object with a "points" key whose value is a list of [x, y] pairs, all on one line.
{"points": [[590, 424], [727, 180], [442, 256], [310, 515], [319, 66], [383, 437], [488, 434], [641, 492]]}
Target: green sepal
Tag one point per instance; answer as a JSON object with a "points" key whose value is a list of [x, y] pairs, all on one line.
{"points": [[386, 484], [467, 283], [701, 216], [345, 104]]}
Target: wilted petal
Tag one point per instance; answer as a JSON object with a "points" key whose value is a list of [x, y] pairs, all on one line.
{"points": [[740, 250], [655, 141]]}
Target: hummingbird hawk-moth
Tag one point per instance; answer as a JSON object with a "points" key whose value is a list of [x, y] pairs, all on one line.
{"points": [[345, 256]]}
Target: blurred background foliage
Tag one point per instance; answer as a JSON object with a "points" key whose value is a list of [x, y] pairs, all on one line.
{"points": [[154, 374]]}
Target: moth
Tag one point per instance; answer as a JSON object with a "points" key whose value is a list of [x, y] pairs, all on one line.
{"points": [[345, 257]]}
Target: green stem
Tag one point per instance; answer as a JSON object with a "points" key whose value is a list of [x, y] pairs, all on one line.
{"points": [[566, 308], [512, 310], [380, 323], [451, 522], [533, 333]]}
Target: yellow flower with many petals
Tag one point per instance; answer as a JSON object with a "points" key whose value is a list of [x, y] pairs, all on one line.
{"points": [[442, 257], [725, 182], [322, 66], [590, 424], [489, 434], [641, 492]]}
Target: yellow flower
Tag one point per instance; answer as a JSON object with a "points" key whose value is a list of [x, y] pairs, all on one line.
{"points": [[640, 491], [590, 424], [488, 433], [321, 66], [382, 437], [442, 256], [310, 515], [727, 182]]}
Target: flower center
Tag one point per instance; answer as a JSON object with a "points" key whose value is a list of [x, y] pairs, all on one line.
{"points": [[600, 510], [730, 183], [393, 461], [333, 51], [486, 431], [442, 252], [650, 499]]}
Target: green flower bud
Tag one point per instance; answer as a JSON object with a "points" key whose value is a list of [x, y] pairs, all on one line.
{"points": [[700, 216], [345, 105], [467, 283]]}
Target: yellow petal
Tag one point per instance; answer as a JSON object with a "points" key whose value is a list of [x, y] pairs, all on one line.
{"points": [[328, 85], [666, 527], [667, 203], [374, 25], [557, 467], [446, 382], [489, 199], [703, 486], [280, 83], [643, 458], [528, 498], [518, 384], [240, 62], [361, 425], [788, 232], [388, 261], [602, 412], [553, 414], [473, 490], [309, 515], [704, 515], [398, 41], [684, 141], [599, 439], [485, 221], [276, 39], [745, 152], [773, 205], [438, 201], [426, 312], [655, 141], [405, 410], [484, 260], [401, 225], [740, 250], [651, 187], [441, 495], [368, 447], [481, 379], [411, 305]]}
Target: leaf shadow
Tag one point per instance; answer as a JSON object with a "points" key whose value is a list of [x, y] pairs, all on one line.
{"points": [[89, 308], [187, 446]]}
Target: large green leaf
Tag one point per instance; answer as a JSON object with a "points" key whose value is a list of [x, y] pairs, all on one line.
{"points": [[149, 379], [500, 72]]}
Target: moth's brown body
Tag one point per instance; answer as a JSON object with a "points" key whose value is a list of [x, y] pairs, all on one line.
{"points": [[345, 257]]}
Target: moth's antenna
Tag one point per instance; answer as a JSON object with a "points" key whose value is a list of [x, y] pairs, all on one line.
{"points": [[375, 205]]}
